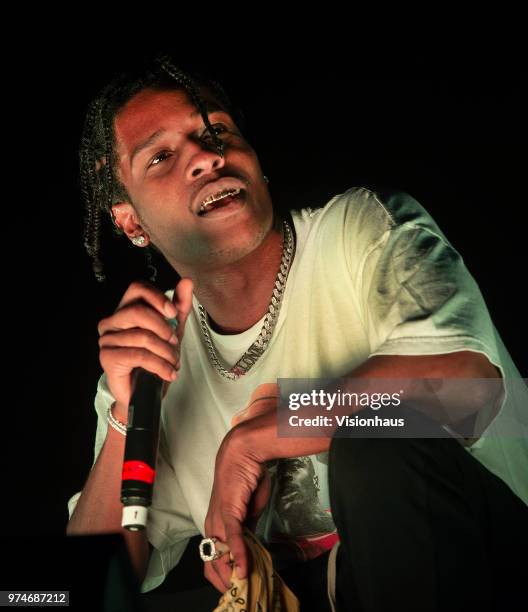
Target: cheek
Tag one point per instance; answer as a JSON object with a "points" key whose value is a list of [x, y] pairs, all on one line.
{"points": [[162, 194], [251, 155]]}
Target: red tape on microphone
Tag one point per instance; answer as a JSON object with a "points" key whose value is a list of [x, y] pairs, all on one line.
{"points": [[138, 470]]}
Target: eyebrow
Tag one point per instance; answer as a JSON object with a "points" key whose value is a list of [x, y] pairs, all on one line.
{"points": [[146, 143], [210, 107]]}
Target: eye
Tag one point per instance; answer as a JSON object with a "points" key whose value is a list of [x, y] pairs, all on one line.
{"points": [[158, 158], [218, 128]]}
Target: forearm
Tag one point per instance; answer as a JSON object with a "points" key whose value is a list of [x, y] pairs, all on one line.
{"points": [[260, 434], [99, 508]]}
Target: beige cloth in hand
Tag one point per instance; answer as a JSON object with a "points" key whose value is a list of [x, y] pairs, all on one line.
{"points": [[263, 590]]}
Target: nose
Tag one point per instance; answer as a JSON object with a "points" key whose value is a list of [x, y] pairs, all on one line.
{"points": [[206, 159]]}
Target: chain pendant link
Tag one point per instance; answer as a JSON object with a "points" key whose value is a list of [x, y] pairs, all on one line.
{"points": [[250, 357]]}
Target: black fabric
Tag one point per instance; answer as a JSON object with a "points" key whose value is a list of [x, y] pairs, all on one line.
{"points": [[424, 526], [186, 585], [308, 581], [95, 569]]}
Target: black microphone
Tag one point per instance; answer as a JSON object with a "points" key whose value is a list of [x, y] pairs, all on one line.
{"points": [[141, 449]]}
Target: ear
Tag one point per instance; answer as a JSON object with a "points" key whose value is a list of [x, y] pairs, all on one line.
{"points": [[126, 219]]}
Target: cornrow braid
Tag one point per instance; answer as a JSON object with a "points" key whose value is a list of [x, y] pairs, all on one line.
{"points": [[90, 186], [100, 184]]}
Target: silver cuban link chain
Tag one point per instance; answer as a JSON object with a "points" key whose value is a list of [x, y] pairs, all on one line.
{"points": [[249, 358]]}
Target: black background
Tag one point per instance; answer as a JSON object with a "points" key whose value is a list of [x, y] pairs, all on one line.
{"points": [[321, 122]]}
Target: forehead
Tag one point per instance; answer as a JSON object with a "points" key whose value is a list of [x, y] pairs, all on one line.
{"points": [[151, 110]]}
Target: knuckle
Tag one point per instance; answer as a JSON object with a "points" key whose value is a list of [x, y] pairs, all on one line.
{"points": [[104, 352], [142, 314], [107, 356], [171, 363], [137, 354], [136, 308], [136, 285], [100, 326], [168, 371], [145, 337], [102, 359], [154, 344]]}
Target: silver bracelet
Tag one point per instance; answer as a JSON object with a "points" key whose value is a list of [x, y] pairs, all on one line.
{"points": [[117, 425]]}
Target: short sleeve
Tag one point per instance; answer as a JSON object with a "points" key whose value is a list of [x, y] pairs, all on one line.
{"points": [[418, 297], [169, 524]]}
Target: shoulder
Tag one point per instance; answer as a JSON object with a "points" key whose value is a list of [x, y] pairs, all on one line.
{"points": [[362, 216]]}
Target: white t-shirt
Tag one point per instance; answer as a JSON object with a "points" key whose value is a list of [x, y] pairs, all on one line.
{"points": [[372, 274]]}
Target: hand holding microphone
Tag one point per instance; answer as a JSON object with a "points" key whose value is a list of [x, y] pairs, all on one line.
{"points": [[140, 354], [138, 335], [141, 449]]}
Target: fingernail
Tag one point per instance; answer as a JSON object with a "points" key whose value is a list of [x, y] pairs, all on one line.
{"points": [[173, 339], [174, 373]]}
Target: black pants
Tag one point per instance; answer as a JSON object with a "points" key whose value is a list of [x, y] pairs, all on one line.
{"points": [[424, 526]]}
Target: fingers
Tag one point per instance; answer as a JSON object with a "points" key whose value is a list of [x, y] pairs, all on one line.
{"points": [[139, 315], [224, 569], [142, 290], [139, 334], [219, 572], [182, 300], [145, 339], [214, 576], [237, 546], [121, 361]]}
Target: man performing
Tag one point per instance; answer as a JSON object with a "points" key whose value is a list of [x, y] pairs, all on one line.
{"points": [[366, 287]]}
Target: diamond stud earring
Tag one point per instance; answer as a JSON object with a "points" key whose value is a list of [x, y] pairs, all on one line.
{"points": [[138, 240], [266, 178]]}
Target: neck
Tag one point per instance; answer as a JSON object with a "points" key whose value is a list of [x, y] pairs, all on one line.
{"points": [[238, 295]]}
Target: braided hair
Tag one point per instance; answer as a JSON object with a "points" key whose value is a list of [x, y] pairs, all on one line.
{"points": [[100, 184]]}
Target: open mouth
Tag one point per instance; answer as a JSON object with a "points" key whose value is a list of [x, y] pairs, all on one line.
{"points": [[231, 201]]}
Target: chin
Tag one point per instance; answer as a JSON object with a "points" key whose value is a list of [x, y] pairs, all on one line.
{"points": [[231, 248]]}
